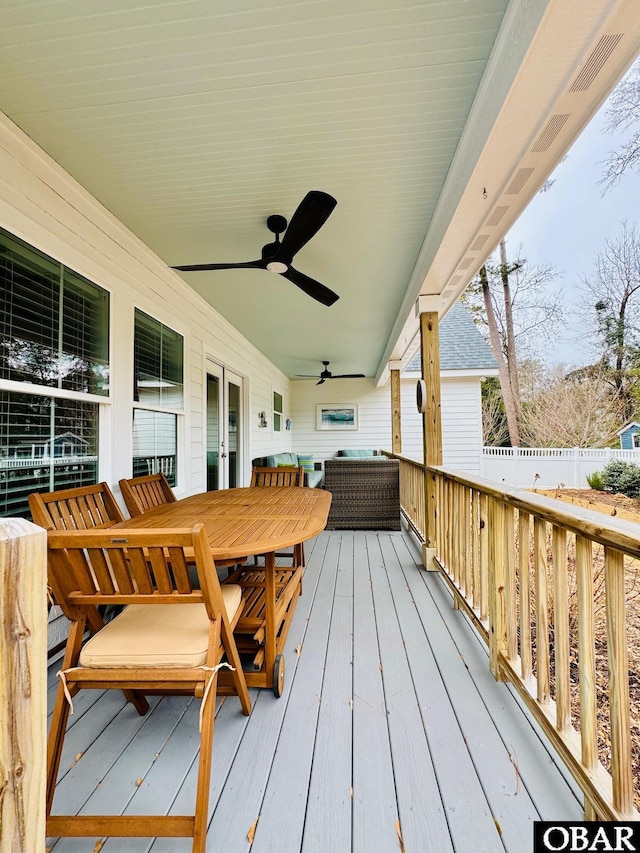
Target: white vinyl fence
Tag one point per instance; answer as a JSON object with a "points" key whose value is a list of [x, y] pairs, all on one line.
{"points": [[548, 467]]}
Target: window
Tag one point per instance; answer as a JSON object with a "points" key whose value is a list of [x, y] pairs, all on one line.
{"points": [[158, 387], [46, 444], [54, 325], [54, 335], [277, 412]]}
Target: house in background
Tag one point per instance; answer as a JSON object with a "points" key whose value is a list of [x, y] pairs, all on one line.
{"points": [[465, 360], [630, 436]]}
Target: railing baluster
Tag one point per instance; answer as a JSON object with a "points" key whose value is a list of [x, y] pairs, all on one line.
{"points": [[524, 525], [484, 557], [449, 525], [618, 682], [510, 584], [468, 554], [542, 609], [454, 561], [586, 658], [561, 627], [497, 591], [475, 547]]}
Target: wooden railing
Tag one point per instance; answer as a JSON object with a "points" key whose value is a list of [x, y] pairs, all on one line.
{"points": [[550, 586]]}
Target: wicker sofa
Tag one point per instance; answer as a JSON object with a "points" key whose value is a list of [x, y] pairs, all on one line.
{"points": [[312, 470], [365, 493]]}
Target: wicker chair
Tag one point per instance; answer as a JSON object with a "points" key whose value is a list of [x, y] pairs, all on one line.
{"points": [[365, 493]]}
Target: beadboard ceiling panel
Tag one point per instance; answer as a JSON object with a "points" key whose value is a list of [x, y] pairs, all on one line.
{"points": [[193, 121]]}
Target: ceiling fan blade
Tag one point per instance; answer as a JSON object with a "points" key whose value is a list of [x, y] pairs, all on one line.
{"points": [[321, 382], [348, 376], [310, 215], [311, 287], [260, 265]]}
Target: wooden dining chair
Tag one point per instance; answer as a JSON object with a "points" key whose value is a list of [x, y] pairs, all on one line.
{"points": [[288, 475], [80, 508], [145, 650], [141, 494], [144, 493]]}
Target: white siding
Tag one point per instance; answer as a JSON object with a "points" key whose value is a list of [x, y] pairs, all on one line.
{"points": [[461, 422], [43, 205], [374, 416], [461, 419]]}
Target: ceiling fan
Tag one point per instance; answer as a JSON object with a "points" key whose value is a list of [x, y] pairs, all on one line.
{"points": [[310, 215], [326, 374]]}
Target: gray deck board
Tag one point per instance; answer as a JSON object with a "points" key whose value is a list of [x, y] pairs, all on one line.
{"points": [[462, 794], [375, 810], [389, 717], [328, 817], [423, 823], [282, 810]]}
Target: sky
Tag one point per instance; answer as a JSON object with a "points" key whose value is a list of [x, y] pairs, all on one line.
{"points": [[566, 225]]}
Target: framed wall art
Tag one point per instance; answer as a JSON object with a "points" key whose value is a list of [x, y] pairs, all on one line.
{"points": [[336, 417]]}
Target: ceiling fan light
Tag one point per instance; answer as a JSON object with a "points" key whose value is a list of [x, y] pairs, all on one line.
{"points": [[277, 266]]}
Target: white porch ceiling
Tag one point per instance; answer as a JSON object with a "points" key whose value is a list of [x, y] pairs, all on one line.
{"points": [[192, 121]]}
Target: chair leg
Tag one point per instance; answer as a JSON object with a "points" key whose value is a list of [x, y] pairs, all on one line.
{"points": [[61, 711], [57, 732], [204, 770], [237, 674]]}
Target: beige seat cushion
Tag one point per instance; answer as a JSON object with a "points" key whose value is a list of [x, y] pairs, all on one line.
{"points": [[171, 635]]}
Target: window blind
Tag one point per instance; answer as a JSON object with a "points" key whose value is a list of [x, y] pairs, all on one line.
{"points": [[158, 363], [45, 444], [54, 325]]}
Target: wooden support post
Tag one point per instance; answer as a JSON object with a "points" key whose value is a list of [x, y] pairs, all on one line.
{"points": [[431, 425], [396, 412], [23, 685]]}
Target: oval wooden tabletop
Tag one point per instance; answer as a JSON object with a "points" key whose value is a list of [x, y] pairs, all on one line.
{"points": [[245, 521]]}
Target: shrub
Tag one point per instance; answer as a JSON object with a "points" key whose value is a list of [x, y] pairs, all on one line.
{"points": [[622, 478], [596, 480]]}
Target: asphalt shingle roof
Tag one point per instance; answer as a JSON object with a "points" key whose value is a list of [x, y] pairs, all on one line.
{"points": [[462, 346]]}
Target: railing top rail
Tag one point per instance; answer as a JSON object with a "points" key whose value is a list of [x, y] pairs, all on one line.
{"points": [[613, 533], [403, 458]]}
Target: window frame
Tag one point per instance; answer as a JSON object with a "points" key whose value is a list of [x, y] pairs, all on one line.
{"points": [[103, 401], [278, 415], [179, 413]]}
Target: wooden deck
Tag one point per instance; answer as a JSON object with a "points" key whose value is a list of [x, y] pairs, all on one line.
{"points": [[390, 723]]}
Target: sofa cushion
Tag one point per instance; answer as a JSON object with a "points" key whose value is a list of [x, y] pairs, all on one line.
{"points": [[305, 460], [279, 459], [313, 478], [356, 453]]}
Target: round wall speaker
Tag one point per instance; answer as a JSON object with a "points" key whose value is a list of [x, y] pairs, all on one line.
{"points": [[421, 395]]}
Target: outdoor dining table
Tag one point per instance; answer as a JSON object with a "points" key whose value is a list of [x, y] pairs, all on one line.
{"points": [[253, 521]]}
